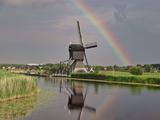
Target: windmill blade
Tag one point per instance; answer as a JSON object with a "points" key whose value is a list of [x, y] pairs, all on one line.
{"points": [[80, 34], [91, 45], [88, 67], [81, 110], [85, 94], [82, 43]]}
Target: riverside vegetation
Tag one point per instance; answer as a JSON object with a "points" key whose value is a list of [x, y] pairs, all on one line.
{"points": [[14, 86], [123, 77], [142, 74]]}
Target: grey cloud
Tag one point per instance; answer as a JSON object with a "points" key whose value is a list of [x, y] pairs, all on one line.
{"points": [[1, 4], [136, 25], [33, 3], [40, 30], [137, 28], [120, 12]]}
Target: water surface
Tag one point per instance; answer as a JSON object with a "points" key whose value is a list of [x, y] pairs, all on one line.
{"points": [[111, 102]]}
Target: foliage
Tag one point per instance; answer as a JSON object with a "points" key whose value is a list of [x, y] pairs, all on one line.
{"points": [[15, 85], [109, 68], [98, 68], [88, 76], [53, 68], [59, 68], [156, 66], [147, 68], [136, 71], [127, 74], [116, 68], [146, 78]]}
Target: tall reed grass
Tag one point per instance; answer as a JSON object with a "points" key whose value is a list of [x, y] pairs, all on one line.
{"points": [[15, 85]]}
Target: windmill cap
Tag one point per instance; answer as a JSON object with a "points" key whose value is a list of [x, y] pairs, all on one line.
{"points": [[76, 47]]}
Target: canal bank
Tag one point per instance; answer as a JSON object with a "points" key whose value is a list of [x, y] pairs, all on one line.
{"points": [[117, 79], [108, 79], [112, 82]]}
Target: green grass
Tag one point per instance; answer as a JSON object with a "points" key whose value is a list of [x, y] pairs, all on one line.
{"points": [[15, 85], [18, 108], [127, 74], [121, 77]]}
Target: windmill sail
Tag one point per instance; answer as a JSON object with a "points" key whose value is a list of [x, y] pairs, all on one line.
{"points": [[80, 34], [90, 45], [82, 43]]}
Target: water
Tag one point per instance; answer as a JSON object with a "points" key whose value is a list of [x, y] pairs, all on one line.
{"points": [[103, 102]]}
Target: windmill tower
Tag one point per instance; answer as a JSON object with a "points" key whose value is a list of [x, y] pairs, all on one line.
{"points": [[77, 54]]}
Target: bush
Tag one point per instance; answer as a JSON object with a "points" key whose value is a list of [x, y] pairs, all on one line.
{"points": [[88, 76], [129, 79], [136, 71]]}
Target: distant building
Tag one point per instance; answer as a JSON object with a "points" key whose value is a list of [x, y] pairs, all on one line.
{"points": [[33, 64]]}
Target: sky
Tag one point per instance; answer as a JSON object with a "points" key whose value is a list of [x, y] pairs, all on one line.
{"points": [[39, 31]]}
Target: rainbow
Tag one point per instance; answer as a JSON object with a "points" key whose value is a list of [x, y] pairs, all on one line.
{"points": [[104, 31]]}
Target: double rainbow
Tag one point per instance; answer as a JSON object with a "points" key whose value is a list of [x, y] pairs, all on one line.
{"points": [[104, 31]]}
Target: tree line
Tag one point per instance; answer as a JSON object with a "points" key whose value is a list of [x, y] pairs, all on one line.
{"points": [[145, 68], [51, 68]]}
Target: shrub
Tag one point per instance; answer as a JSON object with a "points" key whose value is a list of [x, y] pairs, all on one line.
{"points": [[136, 71], [88, 76], [129, 79]]}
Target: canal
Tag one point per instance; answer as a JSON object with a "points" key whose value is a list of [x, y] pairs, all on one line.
{"points": [[62, 99]]}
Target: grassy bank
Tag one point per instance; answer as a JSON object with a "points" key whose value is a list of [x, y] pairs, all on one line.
{"points": [[122, 77], [15, 86]]}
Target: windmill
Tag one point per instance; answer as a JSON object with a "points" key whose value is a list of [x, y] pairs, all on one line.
{"points": [[77, 54]]}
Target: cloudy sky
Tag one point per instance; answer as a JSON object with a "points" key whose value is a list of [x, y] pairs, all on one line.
{"points": [[39, 31]]}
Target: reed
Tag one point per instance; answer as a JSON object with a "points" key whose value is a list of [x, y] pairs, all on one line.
{"points": [[15, 85]]}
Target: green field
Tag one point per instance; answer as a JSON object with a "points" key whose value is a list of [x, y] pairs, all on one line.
{"points": [[127, 74], [152, 79], [15, 85]]}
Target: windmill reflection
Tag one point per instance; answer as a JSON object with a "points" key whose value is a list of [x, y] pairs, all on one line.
{"points": [[77, 95], [75, 99]]}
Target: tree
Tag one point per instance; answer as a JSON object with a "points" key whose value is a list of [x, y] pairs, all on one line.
{"points": [[136, 71], [109, 68], [147, 68], [116, 68], [98, 68], [139, 65]]}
